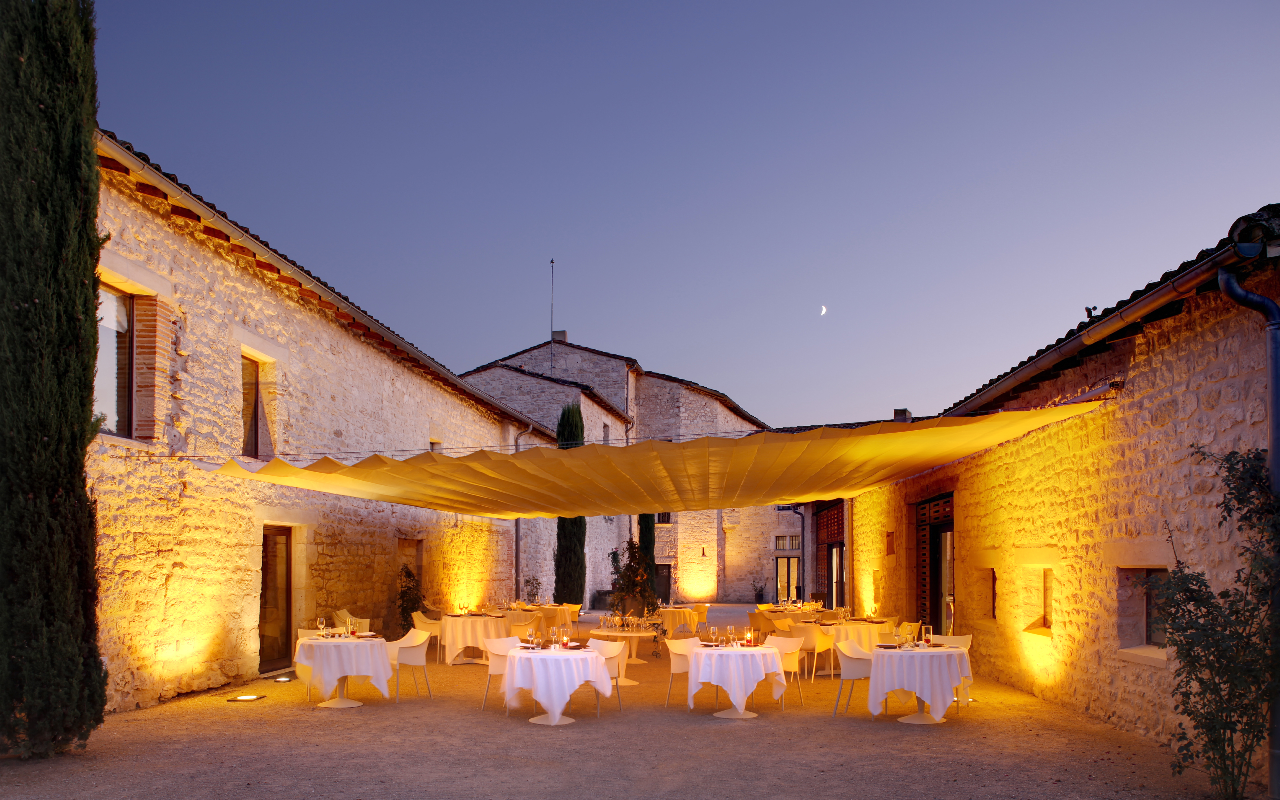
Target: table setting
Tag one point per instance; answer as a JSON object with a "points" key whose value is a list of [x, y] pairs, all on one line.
{"points": [[553, 671], [334, 655], [929, 670], [737, 666], [470, 629]]}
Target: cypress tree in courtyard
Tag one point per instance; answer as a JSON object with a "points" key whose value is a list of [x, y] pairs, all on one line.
{"points": [[52, 681], [571, 532]]}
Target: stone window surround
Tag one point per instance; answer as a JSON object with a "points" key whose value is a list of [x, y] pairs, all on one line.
{"points": [[1147, 552]]}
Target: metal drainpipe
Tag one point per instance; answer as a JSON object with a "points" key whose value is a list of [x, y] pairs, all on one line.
{"points": [[516, 551], [1271, 311], [798, 510]]}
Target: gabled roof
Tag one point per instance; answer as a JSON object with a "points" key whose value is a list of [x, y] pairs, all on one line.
{"points": [[628, 360], [217, 223], [1190, 277], [721, 396], [633, 364], [582, 387]]}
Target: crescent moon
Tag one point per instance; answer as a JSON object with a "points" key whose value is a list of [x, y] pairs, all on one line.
{"points": [[824, 310]]}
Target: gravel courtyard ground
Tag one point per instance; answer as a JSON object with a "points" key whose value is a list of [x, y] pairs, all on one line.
{"points": [[1007, 745]]}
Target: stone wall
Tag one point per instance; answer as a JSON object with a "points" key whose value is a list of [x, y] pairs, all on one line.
{"points": [[611, 376], [179, 549], [1088, 499]]}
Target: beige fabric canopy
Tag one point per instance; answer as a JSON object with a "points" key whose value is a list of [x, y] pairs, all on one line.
{"points": [[652, 476]]}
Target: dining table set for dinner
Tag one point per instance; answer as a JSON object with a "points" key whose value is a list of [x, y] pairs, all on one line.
{"points": [[930, 670], [329, 657], [737, 666]]}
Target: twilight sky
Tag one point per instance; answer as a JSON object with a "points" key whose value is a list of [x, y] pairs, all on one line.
{"points": [[953, 181]]}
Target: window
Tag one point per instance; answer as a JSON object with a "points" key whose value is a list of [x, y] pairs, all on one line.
{"points": [[113, 383], [787, 571], [786, 543], [1156, 582], [1048, 598], [662, 518], [888, 544], [252, 400], [984, 599], [606, 433]]}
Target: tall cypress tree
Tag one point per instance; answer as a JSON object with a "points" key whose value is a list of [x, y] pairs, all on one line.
{"points": [[571, 532], [52, 680], [648, 541]]}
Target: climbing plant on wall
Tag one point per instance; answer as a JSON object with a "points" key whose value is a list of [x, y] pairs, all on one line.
{"points": [[571, 532], [52, 681]]}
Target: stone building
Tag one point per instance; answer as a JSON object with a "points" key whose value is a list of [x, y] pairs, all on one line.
{"points": [[1041, 540], [702, 555], [213, 345]]}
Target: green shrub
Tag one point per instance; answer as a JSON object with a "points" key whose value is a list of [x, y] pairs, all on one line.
{"points": [[571, 532], [1226, 660]]}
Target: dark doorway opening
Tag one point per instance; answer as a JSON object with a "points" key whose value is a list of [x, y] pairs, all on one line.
{"points": [[275, 617], [935, 529], [662, 582]]}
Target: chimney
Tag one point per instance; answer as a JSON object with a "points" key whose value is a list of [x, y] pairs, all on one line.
{"points": [[902, 415], [559, 336]]}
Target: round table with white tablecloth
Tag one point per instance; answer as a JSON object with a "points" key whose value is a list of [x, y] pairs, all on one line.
{"points": [[932, 673], [864, 634], [737, 670], [673, 618], [459, 631], [553, 676], [331, 661], [520, 617]]}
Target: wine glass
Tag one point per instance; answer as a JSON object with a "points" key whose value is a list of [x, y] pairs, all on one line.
{"points": [[729, 631], [714, 631]]}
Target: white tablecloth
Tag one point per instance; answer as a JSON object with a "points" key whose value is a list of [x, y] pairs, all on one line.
{"points": [[520, 617], [931, 673], [460, 632], [330, 659], [864, 634], [564, 615], [673, 618], [736, 670], [553, 675]]}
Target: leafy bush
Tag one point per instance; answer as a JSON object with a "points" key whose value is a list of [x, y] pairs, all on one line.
{"points": [[632, 586], [1226, 673], [409, 599]]}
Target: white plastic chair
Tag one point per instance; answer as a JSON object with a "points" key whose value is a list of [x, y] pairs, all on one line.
{"points": [[342, 615], [498, 649], [611, 652], [410, 651], [575, 611], [700, 611], [886, 638], [432, 627], [682, 632], [816, 641], [964, 643], [789, 650], [764, 606], [781, 625], [855, 664], [910, 628], [679, 649]]}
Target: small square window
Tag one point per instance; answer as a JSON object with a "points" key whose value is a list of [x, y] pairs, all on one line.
{"points": [[794, 542], [662, 518], [779, 543]]}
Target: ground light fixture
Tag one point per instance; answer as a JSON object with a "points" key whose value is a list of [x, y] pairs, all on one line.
{"points": [[247, 698], [283, 679]]}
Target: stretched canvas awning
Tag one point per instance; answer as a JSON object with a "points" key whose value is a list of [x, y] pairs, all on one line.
{"points": [[707, 473]]}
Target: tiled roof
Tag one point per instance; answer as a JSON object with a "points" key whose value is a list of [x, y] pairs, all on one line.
{"points": [[582, 387], [1263, 225], [430, 363]]}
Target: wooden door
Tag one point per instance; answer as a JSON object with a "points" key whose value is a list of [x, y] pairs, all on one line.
{"points": [[662, 582]]}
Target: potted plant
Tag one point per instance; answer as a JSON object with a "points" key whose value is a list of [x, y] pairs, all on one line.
{"points": [[758, 589], [632, 591]]}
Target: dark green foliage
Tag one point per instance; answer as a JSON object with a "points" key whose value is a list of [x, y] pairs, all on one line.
{"points": [[570, 430], [571, 533], [409, 599], [571, 560], [632, 588], [648, 547], [1226, 673], [52, 680]]}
